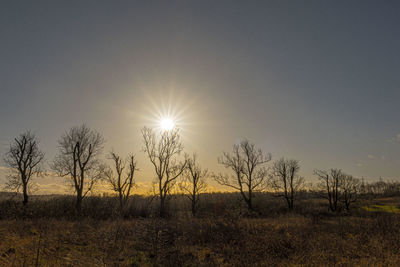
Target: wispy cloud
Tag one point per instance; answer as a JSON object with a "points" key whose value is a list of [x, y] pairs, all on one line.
{"points": [[373, 157], [395, 139]]}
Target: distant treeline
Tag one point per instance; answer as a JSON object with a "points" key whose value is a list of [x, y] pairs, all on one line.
{"points": [[380, 188], [250, 172]]}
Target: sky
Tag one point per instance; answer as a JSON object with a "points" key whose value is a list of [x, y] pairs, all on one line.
{"points": [[316, 81]]}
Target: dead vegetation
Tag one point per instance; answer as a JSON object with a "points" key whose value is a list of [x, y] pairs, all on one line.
{"points": [[223, 233]]}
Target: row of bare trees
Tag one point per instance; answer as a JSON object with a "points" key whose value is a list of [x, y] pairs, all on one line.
{"points": [[338, 187], [79, 160], [380, 187], [250, 173]]}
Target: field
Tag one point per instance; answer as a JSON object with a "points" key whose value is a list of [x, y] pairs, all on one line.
{"points": [[48, 233]]}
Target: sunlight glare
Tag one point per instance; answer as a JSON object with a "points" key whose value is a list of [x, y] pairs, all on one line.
{"points": [[167, 124]]}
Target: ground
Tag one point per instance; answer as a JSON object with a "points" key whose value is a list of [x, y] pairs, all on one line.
{"points": [[368, 236]]}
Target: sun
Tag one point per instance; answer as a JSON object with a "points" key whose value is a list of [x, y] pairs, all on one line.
{"points": [[167, 124]]}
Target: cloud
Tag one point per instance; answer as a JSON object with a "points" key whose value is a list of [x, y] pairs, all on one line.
{"points": [[373, 157], [359, 164], [395, 139]]}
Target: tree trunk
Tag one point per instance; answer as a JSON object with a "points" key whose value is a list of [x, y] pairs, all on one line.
{"points": [[121, 201], [331, 206], [79, 202], [250, 204], [247, 199], [291, 195], [347, 203], [25, 193], [290, 203], [194, 207], [162, 206]]}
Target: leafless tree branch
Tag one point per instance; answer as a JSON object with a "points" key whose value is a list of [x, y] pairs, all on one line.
{"points": [[78, 159], [24, 159]]}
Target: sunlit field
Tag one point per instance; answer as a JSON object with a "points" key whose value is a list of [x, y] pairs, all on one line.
{"points": [[223, 233]]}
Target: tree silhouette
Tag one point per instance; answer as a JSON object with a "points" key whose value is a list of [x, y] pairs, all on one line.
{"points": [[247, 164], [24, 158], [285, 179], [350, 188], [121, 182], [193, 183], [163, 151], [78, 160], [330, 186]]}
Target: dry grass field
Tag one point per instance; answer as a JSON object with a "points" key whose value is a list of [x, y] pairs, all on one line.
{"points": [[221, 235]]}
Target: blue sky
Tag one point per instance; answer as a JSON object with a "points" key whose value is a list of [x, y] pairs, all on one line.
{"points": [[317, 81]]}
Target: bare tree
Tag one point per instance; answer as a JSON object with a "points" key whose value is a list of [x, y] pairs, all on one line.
{"points": [[381, 187], [78, 160], [249, 174], [121, 182], [193, 183], [285, 179], [349, 187], [163, 151], [24, 158], [330, 186]]}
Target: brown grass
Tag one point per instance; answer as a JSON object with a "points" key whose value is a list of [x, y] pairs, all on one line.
{"points": [[307, 237]]}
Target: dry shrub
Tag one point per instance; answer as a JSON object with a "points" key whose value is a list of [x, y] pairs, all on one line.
{"points": [[47, 233]]}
